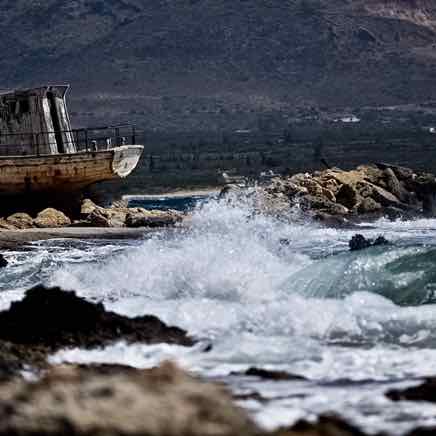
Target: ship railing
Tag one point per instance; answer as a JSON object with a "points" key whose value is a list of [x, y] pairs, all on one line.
{"points": [[91, 139]]}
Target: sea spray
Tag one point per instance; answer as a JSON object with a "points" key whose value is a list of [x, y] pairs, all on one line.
{"points": [[275, 292]]}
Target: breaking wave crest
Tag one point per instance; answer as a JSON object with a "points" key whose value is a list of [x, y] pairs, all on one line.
{"points": [[234, 272]]}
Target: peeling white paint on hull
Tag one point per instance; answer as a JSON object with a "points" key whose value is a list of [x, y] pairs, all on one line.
{"points": [[65, 172]]}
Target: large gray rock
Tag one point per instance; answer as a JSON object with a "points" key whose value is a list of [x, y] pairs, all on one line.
{"points": [[119, 401]]}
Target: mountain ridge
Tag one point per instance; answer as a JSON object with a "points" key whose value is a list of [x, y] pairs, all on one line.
{"points": [[208, 64]]}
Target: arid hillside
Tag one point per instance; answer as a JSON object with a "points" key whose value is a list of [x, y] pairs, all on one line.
{"points": [[221, 64]]}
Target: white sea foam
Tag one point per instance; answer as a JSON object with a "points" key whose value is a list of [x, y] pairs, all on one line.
{"points": [[284, 294]]}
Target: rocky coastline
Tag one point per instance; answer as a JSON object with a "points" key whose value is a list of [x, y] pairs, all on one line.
{"points": [[91, 399], [336, 196]]}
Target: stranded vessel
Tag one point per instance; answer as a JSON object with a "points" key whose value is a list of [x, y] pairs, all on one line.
{"points": [[41, 154]]}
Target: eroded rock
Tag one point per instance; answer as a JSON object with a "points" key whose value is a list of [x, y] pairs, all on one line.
{"points": [[51, 218], [369, 190], [163, 401], [20, 221]]}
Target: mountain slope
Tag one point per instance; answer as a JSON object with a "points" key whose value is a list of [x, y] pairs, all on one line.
{"points": [[217, 64]]}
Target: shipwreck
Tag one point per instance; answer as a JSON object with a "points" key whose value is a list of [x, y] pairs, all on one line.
{"points": [[41, 154]]}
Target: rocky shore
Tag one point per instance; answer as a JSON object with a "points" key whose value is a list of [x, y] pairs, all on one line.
{"points": [[366, 192], [92, 216], [118, 400]]}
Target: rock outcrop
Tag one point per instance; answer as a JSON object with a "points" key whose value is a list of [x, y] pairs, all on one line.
{"points": [[47, 320], [92, 215], [369, 190], [96, 216], [359, 242]]}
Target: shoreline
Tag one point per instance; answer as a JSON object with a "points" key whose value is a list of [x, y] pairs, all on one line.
{"points": [[10, 239]]}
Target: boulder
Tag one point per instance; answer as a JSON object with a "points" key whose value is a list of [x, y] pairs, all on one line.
{"points": [[395, 186], [309, 183], [3, 262], [87, 207], [385, 198], [4, 225], [368, 205], [372, 174], [101, 217], [403, 174], [20, 221], [50, 218], [359, 242], [152, 218], [310, 202], [163, 401]]}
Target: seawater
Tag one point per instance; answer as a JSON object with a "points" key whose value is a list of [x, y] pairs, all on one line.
{"points": [[273, 293]]}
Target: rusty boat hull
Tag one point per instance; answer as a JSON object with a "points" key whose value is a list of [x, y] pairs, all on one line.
{"points": [[65, 173]]}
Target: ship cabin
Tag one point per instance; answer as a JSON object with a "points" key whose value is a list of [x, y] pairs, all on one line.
{"points": [[35, 122]]}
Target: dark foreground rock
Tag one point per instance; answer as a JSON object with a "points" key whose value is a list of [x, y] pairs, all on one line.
{"points": [[424, 392], [367, 192], [47, 320], [3, 262], [359, 242], [272, 375]]}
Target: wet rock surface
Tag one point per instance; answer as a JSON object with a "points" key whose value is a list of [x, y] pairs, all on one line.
{"points": [[271, 375], [424, 392], [366, 192], [47, 320], [359, 242]]}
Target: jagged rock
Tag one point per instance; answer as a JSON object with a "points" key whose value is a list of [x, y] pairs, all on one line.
{"points": [[424, 392], [310, 202], [163, 401], [347, 196], [152, 218], [50, 218], [359, 242], [87, 207], [325, 426], [5, 225], [395, 186], [101, 217], [3, 262], [20, 221], [272, 375], [308, 182], [368, 205], [372, 174], [54, 319], [385, 198]]}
